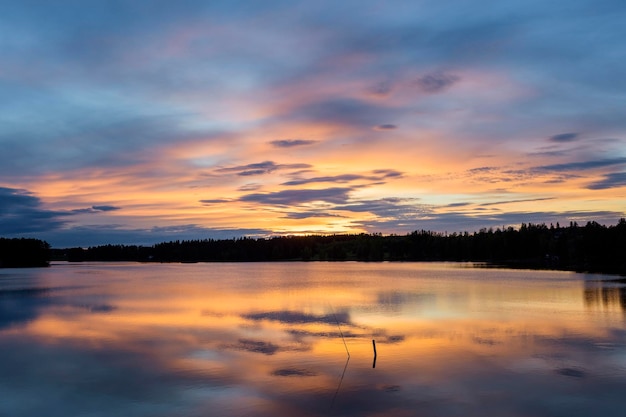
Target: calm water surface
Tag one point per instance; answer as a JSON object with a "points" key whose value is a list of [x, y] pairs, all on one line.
{"points": [[295, 339]]}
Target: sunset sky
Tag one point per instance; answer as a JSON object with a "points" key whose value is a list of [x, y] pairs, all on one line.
{"points": [[136, 122]]}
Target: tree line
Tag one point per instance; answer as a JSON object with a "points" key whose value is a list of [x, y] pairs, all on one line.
{"points": [[19, 253], [593, 247]]}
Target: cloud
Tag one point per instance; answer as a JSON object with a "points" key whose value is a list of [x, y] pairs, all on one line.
{"points": [[139, 95], [296, 317], [379, 175], [436, 82], [397, 208], [564, 137], [293, 372], [340, 179], [21, 213], [94, 235], [260, 168], [257, 346], [388, 173], [613, 180], [341, 111], [106, 208], [89, 138], [309, 214], [96, 209], [460, 222], [386, 127], [381, 89], [497, 203], [290, 143], [215, 201], [336, 195], [250, 187], [583, 165]]}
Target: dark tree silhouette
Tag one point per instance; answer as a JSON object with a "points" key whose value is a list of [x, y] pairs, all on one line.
{"points": [[19, 253], [594, 248]]}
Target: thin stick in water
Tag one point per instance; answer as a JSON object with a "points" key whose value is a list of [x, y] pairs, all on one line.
{"points": [[374, 345], [340, 332]]}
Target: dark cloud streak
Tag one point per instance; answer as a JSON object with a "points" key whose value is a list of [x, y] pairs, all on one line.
{"points": [[583, 165], [336, 195], [21, 213], [436, 82], [260, 168], [290, 143], [613, 180], [564, 137]]}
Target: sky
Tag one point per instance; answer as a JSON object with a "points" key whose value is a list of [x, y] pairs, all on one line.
{"points": [[137, 122]]}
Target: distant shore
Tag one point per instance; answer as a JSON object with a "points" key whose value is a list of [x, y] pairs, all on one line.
{"points": [[591, 248]]}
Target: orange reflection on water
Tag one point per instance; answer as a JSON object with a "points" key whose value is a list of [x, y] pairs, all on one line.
{"points": [[280, 335]]}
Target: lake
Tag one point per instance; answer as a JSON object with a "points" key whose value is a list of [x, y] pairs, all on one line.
{"points": [[296, 339]]}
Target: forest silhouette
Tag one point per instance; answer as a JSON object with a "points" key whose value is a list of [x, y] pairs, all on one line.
{"points": [[18, 253], [592, 248]]}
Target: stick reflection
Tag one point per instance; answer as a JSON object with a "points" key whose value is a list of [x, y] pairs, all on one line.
{"points": [[332, 404]]}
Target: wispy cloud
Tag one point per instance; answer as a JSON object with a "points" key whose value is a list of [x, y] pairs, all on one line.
{"points": [[290, 143], [106, 208], [342, 111], [335, 195], [309, 214], [96, 209], [584, 165], [564, 137], [215, 201], [436, 82], [498, 203], [260, 168], [340, 179], [379, 175], [386, 127], [612, 180], [92, 234], [296, 317], [393, 207]]}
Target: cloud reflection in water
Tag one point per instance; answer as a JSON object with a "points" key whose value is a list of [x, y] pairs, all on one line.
{"points": [[451, 341]]}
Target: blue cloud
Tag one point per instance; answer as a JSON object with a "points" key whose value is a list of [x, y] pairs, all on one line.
{"points": [[564, 137], [94, 235], [460, 222], [260, 168], [584, 165], [96, 209], [22, 213], [106, 208], [334, 195], [342, 111], [378, 176], [290, 143], [612, 180], [386, 127], [436, 82]]}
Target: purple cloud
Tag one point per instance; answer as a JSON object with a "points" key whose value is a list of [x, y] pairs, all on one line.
{"points": [[613, 180], [22, 213], [260, 168], [564, 137], [295, 197], [436, 82], [290, 143]]}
